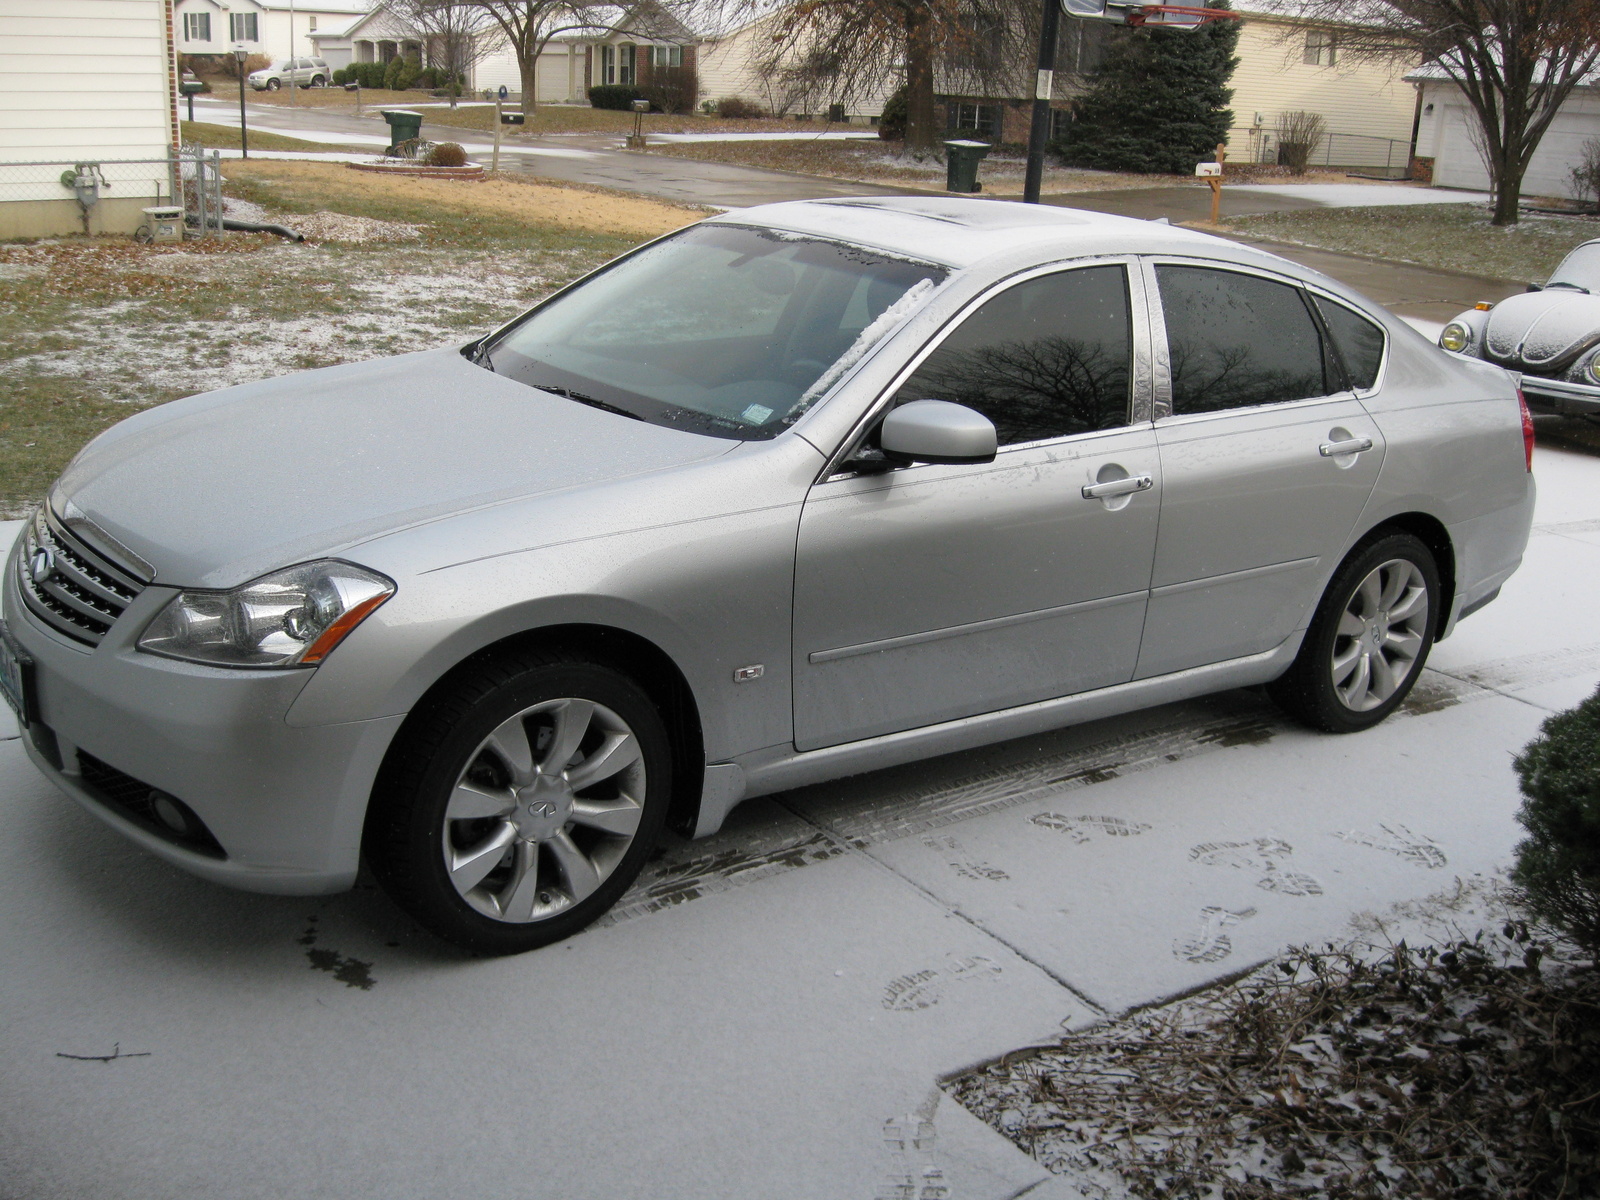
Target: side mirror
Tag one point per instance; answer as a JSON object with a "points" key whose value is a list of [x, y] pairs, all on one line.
{"points": [[936, 431]]}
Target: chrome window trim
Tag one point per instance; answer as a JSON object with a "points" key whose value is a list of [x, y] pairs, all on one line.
{"points": [[1141, 394], [1164, 415]]}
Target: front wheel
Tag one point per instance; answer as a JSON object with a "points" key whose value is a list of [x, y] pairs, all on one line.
{"points": [[519, 806], [274, 84], [1369, 638]]}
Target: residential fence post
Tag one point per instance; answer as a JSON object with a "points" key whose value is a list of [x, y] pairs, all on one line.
{"points": [[200, 188], [216, 172]]}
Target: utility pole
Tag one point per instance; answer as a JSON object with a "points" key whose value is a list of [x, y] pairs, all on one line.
{"points": [[293, 99], [1043, 89]]}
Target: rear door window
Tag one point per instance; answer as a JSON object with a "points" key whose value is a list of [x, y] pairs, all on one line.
{"points": [[1358, 340], [1238, 340], [1049, 357]]}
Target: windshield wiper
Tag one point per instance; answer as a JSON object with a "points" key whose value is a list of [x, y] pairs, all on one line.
{"points": [[1577, 287], [591, 401]]}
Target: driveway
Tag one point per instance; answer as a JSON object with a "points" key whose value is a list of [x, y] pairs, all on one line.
{"points": [[762, 1003]]}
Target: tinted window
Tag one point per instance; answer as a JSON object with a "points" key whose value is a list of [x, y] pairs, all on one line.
{"points": [[1044, 359], [1358, 340], [719, 329], [1237, 340]]}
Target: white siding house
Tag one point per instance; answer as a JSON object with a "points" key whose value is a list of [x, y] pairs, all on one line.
{"points": [[1449, 126], [85, 81], [273, 28]]}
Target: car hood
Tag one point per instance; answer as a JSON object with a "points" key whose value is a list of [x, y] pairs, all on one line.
{"points": [[1542, 331], [216, 489]]}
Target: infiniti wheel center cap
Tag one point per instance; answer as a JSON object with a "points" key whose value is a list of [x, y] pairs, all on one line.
{"points": [[543, 808]]}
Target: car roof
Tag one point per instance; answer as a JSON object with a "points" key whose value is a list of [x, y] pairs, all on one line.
{"points": [[959, 232]]}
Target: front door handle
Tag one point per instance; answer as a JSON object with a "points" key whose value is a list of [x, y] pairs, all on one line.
{"points": [[1118, 487], [1352, 446]]}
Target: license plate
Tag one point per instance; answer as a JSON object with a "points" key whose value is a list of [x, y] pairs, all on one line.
{"points": [[16, 676]]}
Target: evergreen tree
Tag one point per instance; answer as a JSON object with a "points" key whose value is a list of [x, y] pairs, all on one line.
{"points": [[1158, 102]]}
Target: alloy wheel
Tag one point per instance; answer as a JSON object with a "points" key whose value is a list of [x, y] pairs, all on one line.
{"points": [[1381, 632], [544, 810]]}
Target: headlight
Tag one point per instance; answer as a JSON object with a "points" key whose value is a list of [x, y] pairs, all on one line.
{"points": [[1455, 337], [1594, 368], [291, 618]]}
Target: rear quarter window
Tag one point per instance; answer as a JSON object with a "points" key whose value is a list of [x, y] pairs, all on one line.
{"points": [[1358, 341]]}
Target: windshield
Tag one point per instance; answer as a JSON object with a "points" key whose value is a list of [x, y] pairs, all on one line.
{"points": [[1581, 268], [720, 329]]}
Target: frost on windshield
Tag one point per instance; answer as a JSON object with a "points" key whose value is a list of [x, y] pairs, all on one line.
{"points": [[887, 320]]}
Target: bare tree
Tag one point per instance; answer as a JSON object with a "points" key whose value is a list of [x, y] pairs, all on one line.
{"points": [[843, 50], [1516, 61], [456, 34], [1300, 134], [529, 25]]}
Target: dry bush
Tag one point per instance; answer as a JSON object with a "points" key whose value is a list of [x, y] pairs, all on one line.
{"points": [[1300, 135], [1586, 175], [732, 108], [446, 154]]}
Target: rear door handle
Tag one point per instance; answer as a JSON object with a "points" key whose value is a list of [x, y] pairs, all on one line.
{"points": [[1353, 446], [1118, 487]]}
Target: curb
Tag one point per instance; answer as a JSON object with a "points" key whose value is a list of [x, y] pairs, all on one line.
{"points": [[470, 171]]}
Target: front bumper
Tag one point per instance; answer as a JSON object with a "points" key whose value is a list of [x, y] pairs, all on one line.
{"points": [[285, 804], [1560, 396]]}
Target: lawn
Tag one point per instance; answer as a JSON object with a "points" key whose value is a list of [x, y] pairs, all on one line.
{"points": [[870, 160], [226, 137], [93, 329], [1451, 237]]}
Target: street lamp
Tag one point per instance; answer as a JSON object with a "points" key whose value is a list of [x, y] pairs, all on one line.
{"points": [[239, 55]]}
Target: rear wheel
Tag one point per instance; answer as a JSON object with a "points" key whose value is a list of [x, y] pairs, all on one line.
{"points": [[522, 804], [1369, 638]]}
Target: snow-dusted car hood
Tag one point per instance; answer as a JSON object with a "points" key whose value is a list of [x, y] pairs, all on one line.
{"points": [[1542, 331], [216, 489]]}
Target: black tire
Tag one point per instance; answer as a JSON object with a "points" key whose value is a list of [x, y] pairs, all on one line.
{"points": [[1309, 691], [318, 81], [406, 831], [274, 84]]}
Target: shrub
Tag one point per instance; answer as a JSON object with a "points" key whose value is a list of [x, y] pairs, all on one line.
{"points": [[1299, 136], [674, 89], [619, 96], [226, 65], [1586, 175], [733, 108], [399, 74], [892, 124], [446, 154], [1558, 866], [342, 76]]}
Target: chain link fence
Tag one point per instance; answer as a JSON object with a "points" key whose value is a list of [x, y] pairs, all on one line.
{"points": [[1388, 158], [109, 192]]}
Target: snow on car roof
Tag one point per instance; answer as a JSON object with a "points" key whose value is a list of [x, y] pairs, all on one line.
{"points": [[958, 232]]}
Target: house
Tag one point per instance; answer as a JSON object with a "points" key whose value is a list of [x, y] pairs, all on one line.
{"points": [[87, 82], [730, 62], [628, 46], [276, 29], [1285, 65], [1447, 129]]}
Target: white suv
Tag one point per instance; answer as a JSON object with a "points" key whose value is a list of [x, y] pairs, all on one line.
{"points": [[306, 72]]}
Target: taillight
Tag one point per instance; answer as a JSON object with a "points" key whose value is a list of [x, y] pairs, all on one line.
{"points": [[1527, 429]]}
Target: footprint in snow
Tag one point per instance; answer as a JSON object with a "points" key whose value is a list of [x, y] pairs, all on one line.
{"points": [[924, 989], [1082, 829], [960, 863], [1211, 944], [1269, 857], [1415, 848]]}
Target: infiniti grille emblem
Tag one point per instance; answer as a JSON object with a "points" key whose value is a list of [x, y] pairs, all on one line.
{"points": [[42, 565]]}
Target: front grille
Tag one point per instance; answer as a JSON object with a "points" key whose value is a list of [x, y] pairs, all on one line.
{"points": [[81, 591], [137, 801]]}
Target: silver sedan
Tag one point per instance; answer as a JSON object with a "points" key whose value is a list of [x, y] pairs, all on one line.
{"points": [[797, 492]]}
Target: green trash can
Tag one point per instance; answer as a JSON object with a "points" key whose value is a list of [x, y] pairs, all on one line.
{"points": [[961, 165], [404, 126]]}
